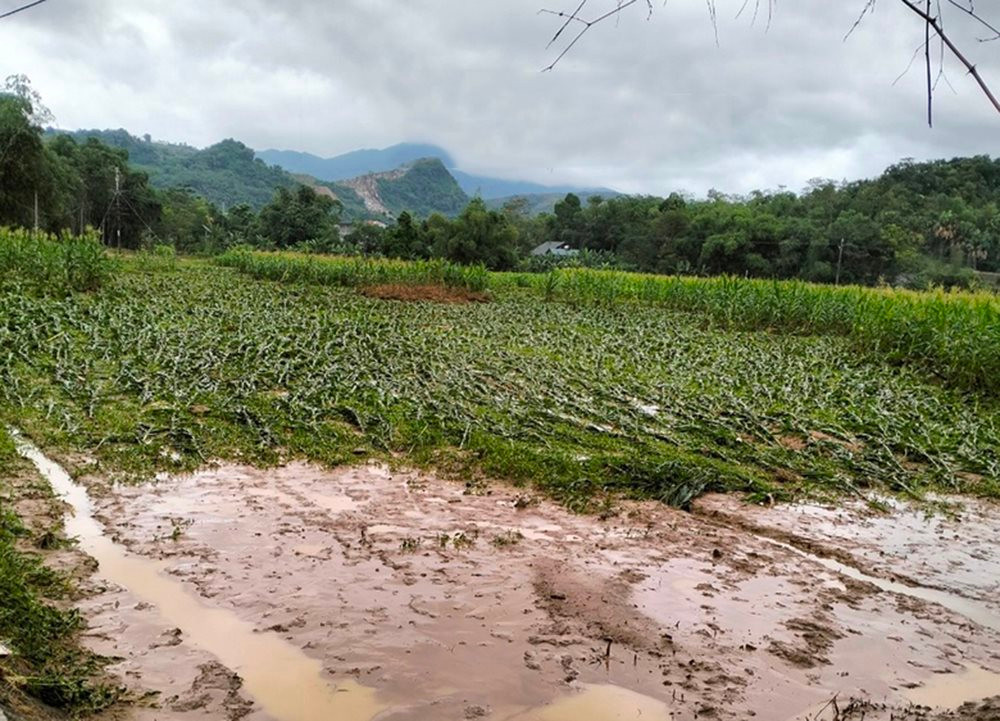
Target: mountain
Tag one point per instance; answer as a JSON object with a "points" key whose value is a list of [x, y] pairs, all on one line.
{"points": [[421, 187], [227, 173], [355, 163], [360, 162]]}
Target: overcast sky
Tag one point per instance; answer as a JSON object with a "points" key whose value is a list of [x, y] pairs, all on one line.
{"points": [[640, 105]]}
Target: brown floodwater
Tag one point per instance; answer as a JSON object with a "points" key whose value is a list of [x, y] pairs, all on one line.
{"points": [[370, 594], [285, 682]]}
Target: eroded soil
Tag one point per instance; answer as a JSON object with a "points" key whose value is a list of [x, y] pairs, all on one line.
{"points": [[421, 600]]}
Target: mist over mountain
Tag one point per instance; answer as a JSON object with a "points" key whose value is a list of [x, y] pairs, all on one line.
{"points": [[362, 162]]}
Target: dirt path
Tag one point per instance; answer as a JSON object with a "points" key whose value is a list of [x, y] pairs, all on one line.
{"points": [[419, 601]]}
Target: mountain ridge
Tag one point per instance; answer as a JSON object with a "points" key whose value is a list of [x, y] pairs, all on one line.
{"points": [[342, 167]]}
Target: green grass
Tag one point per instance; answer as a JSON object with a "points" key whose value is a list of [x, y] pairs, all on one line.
{"points": [[352, 272], [166, 371], [47, 662], [52, 265]]}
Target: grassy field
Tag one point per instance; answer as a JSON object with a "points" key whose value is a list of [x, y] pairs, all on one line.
{"points": [[584, 386]]}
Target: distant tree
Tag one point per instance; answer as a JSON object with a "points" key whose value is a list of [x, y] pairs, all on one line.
{"points": [[239, 225], [22, 172], [299, 216], [90, 196], [405, 239], [568, 221], [368, 238], [187, 221], [478, 235]]}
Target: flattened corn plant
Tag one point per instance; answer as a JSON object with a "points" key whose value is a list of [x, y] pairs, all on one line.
{"points": [[166, 371]]}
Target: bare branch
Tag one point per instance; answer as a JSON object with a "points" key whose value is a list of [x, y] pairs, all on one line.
{"points": [[970, 11], [930, 13], [587, 24], [15, 11], [933, 22]]}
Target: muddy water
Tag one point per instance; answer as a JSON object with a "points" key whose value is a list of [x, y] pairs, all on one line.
{"points": [[397, 580], [599, 703], [976, 612], [952, 690], [286, 683]]}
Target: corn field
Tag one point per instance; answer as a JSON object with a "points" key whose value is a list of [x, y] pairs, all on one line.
{"points": [[953, 336], [353, 271], [167, 370], [52, 264]]}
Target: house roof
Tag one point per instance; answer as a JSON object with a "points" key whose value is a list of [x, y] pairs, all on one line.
{"points": [[551, 246]]}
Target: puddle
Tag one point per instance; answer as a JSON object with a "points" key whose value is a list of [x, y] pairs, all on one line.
{"points": [[599, 703], [334, 504], [282, 680], [314, 551], [702, 616], [976, 612], [952, 690]]}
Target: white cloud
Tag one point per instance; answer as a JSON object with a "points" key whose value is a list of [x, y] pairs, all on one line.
{"points": [[645, 106]]}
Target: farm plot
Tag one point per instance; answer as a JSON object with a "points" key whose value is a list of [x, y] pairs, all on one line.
{"points": [[416, 596], [164, 371]]}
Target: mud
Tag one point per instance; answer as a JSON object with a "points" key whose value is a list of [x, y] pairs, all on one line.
{"points": [[427, 602]]}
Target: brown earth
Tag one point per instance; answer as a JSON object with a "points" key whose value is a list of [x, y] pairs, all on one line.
{"points": [[422, 601]]}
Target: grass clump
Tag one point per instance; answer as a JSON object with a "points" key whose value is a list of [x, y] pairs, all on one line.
{"points": [[53, 264]]}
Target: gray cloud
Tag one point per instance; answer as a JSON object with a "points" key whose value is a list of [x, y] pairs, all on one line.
{"points": [[641, 105]]}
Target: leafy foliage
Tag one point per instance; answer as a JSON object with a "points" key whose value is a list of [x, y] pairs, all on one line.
{"points": [[52, 264], [299, 217], [225, 174]]}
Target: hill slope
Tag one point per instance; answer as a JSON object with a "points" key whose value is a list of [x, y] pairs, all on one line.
{"points": [[356, 163], [361, 162], [227, 173], [421, 188]]}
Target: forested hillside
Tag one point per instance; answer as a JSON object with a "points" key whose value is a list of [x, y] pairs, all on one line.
{"points": [[227, 173], [917, 224]]}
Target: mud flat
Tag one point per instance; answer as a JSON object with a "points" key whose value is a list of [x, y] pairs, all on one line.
{"points": [[365, 593]]}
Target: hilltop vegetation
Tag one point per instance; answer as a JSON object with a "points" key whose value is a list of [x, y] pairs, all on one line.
{"points": [[225, 174], [423, 188], [919, 224], [362, 162]]}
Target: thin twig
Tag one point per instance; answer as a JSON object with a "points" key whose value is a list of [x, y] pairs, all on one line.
{"points": [[959, 55], [15, 11]]}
